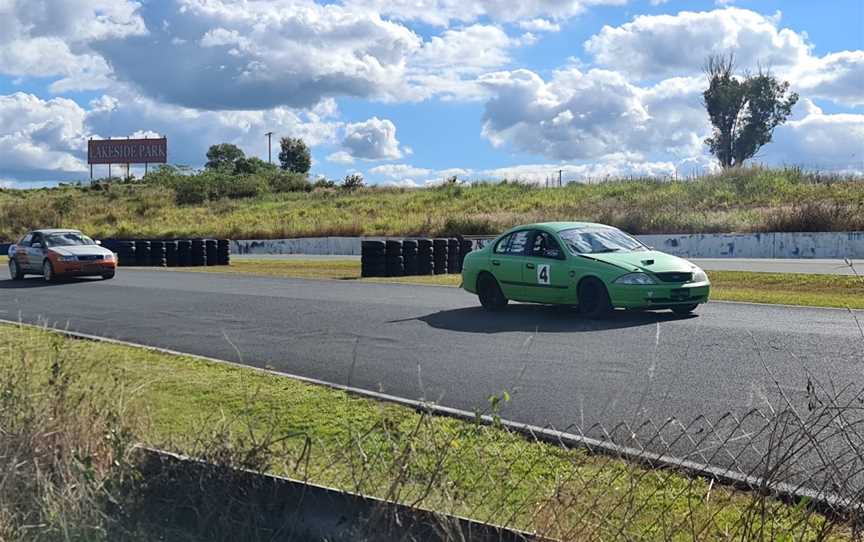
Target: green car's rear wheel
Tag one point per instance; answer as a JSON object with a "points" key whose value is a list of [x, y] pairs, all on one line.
{"points": [[490, 294], [594, 298], [683, 310]]}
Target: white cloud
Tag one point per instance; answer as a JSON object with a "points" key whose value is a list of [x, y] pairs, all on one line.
{"points": [[373, 139], [443, 12], [40, 137], [399, 171], [340, 157], [539, 25], [819, 141], [837, 76], [403, 183], [617, 166], [43, 38], [589, 115], [447, 65], [264, 55], [657, 46]]}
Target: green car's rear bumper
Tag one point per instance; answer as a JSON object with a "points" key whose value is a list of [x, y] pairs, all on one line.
{"points": [[658, 296]]}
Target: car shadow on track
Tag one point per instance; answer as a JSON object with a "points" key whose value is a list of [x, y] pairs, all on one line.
{"points": [[540, 318], [39, 282]]}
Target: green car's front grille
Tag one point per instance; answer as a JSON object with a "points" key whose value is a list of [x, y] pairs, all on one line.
{"points": [[675, 277]]}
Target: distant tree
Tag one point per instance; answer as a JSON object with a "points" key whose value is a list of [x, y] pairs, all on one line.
{"points": [[253, 164], [324, 182], [353, 181], [295, 155], [223, 156], [743, 110]]}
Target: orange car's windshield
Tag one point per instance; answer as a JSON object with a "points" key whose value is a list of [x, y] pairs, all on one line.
{"points": [[67, 239]]}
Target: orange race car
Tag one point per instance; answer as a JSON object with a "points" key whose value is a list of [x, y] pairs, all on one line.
{"points": [[60, 253]]}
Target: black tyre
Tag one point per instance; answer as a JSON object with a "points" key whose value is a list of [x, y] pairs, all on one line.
{"points": [[489, 293], [142, 253], [372, 245], [48, 271], [684, 310], [394, 248], [594, 299], [108, 276], [15, 270]]}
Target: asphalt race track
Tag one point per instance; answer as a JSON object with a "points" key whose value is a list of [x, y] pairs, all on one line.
{"points": [[436, 343]]}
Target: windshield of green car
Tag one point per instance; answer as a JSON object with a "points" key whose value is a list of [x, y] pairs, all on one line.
{"points": [[67, 239], [597, 240]]}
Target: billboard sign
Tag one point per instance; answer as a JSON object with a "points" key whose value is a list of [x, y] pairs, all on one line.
{"points": [[127, 151]]}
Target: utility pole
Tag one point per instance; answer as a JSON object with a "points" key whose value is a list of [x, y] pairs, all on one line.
{"points": [[560, 172], [269, 147]]}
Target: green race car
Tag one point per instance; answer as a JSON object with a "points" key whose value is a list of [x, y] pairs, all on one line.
{"points": [[594, 266]]}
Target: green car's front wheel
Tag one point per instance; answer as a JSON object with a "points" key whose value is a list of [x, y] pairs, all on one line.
{"points": [[684, 310], [594, 299], [490, 294]]}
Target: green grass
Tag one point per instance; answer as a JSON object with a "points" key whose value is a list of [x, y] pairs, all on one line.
{"points": [[330, 437], [740, 201], [778, 288]]}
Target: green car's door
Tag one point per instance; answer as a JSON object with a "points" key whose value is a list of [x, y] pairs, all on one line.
{"points": [[545, 273], [507, 261]]}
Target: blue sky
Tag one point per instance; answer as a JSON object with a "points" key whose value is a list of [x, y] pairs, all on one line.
{"points": [[408, 92]]}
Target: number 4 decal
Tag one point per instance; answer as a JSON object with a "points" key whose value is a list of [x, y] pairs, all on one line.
{"points": [[543, 274]]}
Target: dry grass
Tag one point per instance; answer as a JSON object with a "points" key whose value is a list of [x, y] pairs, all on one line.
{"points": [[239, 417], [740, 200]]}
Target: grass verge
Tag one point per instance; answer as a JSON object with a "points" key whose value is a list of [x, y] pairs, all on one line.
{"points": [[737, 200], [329, 437], [778, 288]]}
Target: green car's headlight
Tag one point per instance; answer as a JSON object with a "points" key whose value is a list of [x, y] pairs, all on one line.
{"points": [[699, 276], [640, 279]]}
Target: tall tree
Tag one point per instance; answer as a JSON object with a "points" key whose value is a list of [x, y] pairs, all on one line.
{"points": [[295, 155], [223, 156], [744, 110]]}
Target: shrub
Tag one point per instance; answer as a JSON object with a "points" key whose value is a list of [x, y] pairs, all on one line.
{"points": [[289, 182], [353, 181]]}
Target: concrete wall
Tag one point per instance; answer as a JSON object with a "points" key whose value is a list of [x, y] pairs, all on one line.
{"points": [[696, 245], [761, 245]]}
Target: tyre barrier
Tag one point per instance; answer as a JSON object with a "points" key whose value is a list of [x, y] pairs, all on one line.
{"points": [[454, 262], [410, 257], [157, 254], [125, 251], [372, 262], [439, 256], [223, 252], [210, 251], [184, 253], [142, 253], [425, 261], [170, 252]]}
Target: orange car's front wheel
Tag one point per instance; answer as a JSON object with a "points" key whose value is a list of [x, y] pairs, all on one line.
{"points": [[48, 271]]}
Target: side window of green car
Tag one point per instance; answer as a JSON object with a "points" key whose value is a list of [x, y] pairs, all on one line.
{"points": [[513, 244], [518, 242], [501, 246], [545, 246]]}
